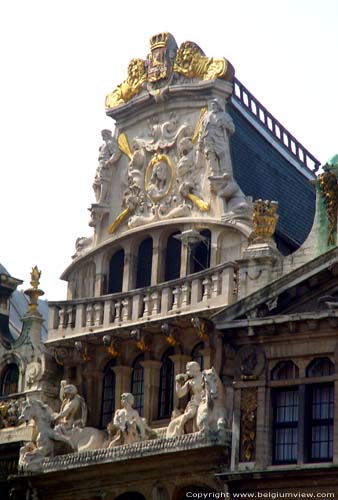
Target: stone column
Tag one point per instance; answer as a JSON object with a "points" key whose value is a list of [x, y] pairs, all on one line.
{"points": [[185, 255], [151, 374], [129, 269], [180, 361], [156, 262], [99, 277], [122, 382], [263, 440], [93, 385], [207, 352]]}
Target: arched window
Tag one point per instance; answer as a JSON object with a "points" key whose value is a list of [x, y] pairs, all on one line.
{"points": [[172, 267], [116, 267], [197, 354], [200, 254], [10, 380], [165, 405], [285, 370], [137, 384], [108, 394], [144, 263], [320, 367]]}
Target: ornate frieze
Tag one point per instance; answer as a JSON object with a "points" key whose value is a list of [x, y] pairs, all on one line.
{"points": [[248, 424]]}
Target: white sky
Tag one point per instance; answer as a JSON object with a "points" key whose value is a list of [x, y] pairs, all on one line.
{"points": [[60, 58]]}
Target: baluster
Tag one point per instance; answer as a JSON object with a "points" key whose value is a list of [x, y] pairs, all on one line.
{"points": [[98, 308], [89, 315], [216, 284], [186, 289], [176, 298], [69, 317], [155, 297], [206, 289], [147, 304], [117, 311], [61, 318], [125, 309]]}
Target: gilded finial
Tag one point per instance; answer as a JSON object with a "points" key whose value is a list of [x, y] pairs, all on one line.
{"points": [[34, 292], [35, 277], [265, 219]]}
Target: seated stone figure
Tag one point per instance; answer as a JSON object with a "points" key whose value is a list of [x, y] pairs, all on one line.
{"points": [[73, 412], [127, 425]]}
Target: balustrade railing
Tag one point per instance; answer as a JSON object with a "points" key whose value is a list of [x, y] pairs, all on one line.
{"points": [[274, 127], [207, 289]]}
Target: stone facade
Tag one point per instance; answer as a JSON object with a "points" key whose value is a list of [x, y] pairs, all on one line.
{"points": [[182, 309]]}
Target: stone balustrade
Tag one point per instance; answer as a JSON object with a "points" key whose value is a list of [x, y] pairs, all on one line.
{"points": [[208, 289]]}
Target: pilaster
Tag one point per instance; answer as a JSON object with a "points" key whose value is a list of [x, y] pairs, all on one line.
{"points": [[151, 373], [122, 382]]}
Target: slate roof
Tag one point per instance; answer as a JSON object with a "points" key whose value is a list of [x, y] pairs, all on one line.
{"points": [[263, 172]]}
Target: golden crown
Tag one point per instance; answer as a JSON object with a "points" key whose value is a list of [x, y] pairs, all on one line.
{"points": [[159, 40]]}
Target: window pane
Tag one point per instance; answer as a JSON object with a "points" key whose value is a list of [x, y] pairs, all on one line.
{"points": [[137, 386], [286, 414], [321, 425]]}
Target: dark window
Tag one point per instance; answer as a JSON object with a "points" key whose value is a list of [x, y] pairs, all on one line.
{"points": [[320, 431], [200, 255], [131, 496], [108, 394], [285, 427], [10, 380], [320, 367], [285, 370], [197, 355], [116, 267], [166, 385], [137, 384], [172, 267], [144, 263]]}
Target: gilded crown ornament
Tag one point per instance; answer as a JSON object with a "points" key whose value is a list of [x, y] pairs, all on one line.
{"points": [[159, 41], [265, 219], [164, 60]]}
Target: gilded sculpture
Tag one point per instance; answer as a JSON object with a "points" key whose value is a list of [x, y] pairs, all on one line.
{"points": [[265, 219], [164, 60], [329, 190], [130, 87], [34, 292], [191, 62], [248, 423]]}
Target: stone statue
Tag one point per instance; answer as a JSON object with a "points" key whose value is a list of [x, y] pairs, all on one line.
{"points": [[206, 407], [70, 430], [187, 383], [127, 426], [109, 154], [216, 125], [236, 204], [72, 405]]}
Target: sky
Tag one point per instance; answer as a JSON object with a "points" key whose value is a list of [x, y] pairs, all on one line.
{"points": [[60, 58]]}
